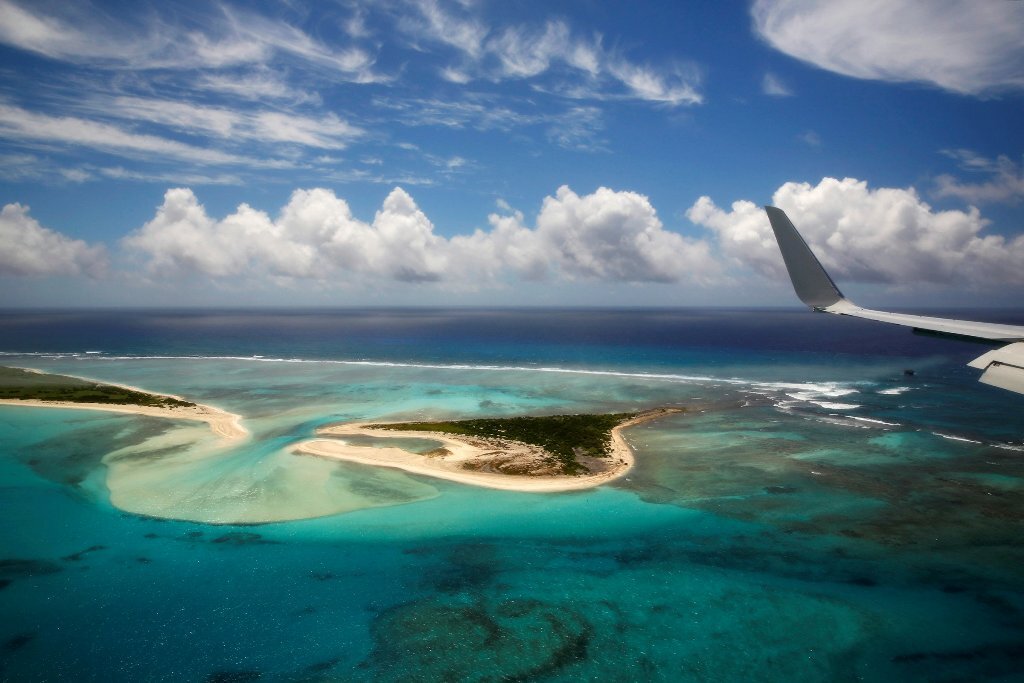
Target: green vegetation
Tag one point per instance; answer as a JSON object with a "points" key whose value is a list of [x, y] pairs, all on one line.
{"points": [[24, 384], [566, 437]]}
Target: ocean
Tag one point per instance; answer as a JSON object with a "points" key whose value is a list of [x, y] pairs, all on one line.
{"points": [[841, 500]]}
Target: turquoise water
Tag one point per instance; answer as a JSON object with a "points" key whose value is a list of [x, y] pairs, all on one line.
{"points": [[815, 515]]}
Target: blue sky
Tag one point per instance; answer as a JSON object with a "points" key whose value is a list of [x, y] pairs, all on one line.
{"points": [[505, 153]]}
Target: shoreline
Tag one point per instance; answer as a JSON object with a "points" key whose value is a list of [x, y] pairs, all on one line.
{"points": [[222, 423], [464, 450]]}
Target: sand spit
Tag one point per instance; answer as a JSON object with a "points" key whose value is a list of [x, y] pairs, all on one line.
{"points": [[471, 460], [224, 424]]}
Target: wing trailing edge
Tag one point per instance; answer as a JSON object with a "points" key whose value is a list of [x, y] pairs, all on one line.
{"points": [[1003, 367]]}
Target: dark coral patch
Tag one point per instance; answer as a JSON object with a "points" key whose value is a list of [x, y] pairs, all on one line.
{"points": [[17, 642], [512, 640], [77, 557], [17, 568], [233, 676], [242, 538]]}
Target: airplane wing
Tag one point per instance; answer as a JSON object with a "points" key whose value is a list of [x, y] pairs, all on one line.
{"points": [[1003, 367]]}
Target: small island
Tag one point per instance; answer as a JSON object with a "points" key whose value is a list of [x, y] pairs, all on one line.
{"points": [[542, 454], [27, 387]]}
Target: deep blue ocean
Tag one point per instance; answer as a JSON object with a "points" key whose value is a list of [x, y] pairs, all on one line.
{"points": [[841, 500]]}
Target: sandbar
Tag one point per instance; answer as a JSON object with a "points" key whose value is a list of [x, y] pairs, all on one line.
{"points": [[223, 424], [464, 459]]}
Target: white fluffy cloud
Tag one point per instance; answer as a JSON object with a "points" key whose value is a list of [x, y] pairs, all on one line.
{"points": [[966, 46], [617, 236], [607, 235], [31, 249], [868, 235]]}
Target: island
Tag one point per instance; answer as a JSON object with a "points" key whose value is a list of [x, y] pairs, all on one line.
{"points": [[539, 454], [29, 387]]}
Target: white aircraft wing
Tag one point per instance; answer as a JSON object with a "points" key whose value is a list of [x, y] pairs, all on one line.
{"points": [[1003, 367]]}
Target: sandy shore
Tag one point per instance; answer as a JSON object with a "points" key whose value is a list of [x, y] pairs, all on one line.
{"points": [[466, 459], [224, 424]]}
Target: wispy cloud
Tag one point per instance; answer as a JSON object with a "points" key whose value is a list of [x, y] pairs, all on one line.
{"points": [[22, 125], [222, 37], [576, 127], [773, 85], [972, 48], [1005, 180], [528, 52]]}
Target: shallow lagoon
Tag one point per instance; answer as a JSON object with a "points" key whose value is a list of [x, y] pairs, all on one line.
{"points": [[767, 534]]}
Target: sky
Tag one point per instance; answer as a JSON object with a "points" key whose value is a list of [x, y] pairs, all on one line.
{"points": [[505, 153]]}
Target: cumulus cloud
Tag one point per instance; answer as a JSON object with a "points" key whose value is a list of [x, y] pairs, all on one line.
{"points": [[608, 235], [31, 249], [965, 46], [886, 235], [617, 236], [1005, 181]]}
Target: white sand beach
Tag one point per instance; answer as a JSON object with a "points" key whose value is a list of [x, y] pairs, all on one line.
{"points": [[224, 424], [470, 460]]}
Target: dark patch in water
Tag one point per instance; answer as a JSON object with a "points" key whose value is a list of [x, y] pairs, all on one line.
{"points": [[989, 661], [240, 538], [468, 566], [326, 665], [322, 576], [150, 535], [4, 583], [512, 640], [233, 676], [777, 490], [77, 557], [143, 560], [17, 642], [16, 568], [69, 459], [305, 611], [864, 581]]}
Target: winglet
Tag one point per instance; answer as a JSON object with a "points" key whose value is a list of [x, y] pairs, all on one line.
{"points": [[812, 284]]}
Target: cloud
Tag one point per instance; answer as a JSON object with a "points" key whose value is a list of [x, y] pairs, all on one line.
{"points": [[608, 235], [773, 85], [465, 34], [31, 249], [810, 138], [228, 38], [21, 125], [574, 128], [971, 47], [528, 52], [258, 84], [885, 235], [617, 236], [1006, 183]]}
